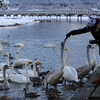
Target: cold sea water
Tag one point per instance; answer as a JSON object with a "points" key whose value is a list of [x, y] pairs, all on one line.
{"points": [[36, 35]]}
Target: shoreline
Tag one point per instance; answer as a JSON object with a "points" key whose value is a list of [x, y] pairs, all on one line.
{"points": [[15, 21]]}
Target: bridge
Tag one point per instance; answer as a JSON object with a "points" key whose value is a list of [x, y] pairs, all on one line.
{"points": [[49, 13]]}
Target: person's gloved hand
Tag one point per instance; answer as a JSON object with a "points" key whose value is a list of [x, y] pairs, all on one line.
{"points": [[92, 41], [67, 35]]}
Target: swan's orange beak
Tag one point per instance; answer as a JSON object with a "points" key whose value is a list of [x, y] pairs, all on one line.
{"points": [[20, 64], [38, 62], [5, 54], [29, 62]]}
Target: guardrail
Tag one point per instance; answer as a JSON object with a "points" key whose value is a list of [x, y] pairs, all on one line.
{"points": [[50, 12]]}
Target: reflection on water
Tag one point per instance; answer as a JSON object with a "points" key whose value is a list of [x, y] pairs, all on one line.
{"points": [[36, 35]]}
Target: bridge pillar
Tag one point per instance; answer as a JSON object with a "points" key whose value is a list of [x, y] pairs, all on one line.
{"points": [[79, 17]]}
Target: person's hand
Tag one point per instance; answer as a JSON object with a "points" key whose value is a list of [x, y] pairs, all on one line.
{"points": [[67, 35], [92, 41]]}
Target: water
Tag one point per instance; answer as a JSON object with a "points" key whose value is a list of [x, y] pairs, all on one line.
{"points": [[36, 35]]}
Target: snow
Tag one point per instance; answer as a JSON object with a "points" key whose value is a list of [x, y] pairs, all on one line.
{"points": [[21, 20]]}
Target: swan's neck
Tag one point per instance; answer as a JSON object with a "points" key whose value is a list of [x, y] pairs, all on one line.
{"points": [[88, 58], [7, 60], [12, 68], [17, 56], [62, 62], [34, 70], [27, 77], [94, 54], [0, 46], [5, 79], [66, 58], [23, 41]]}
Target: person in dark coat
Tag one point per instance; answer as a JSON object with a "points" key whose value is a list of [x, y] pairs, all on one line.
{"points": [[92, 26]]}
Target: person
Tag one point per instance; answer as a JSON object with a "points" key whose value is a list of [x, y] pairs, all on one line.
{"points": [[93, 26]]}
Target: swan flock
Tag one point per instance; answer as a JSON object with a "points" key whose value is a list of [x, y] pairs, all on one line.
{"points": [[64, 71]]}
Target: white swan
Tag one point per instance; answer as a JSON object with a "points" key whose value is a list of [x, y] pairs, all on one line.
{"points": [[53, 76], [1, 48], [19, 78], [31, 73], [84, 70], [7, 70], [70, 73], [6, 42], [50, 45], [22, 60], [6, 85], [20, 44], [5, 63]]}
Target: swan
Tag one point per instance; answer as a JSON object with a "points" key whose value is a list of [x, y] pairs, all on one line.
{"points": [[70, 73], [31, 73], [7, 70], [50, 45], [6, 85], [6, 42], [84, 70], [22, 60], [19, 78], [1, 48], [6, 63], [53, 76], [20, 44]]}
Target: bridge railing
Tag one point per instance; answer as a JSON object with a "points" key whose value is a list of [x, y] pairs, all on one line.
{"points": [[51, 12]]}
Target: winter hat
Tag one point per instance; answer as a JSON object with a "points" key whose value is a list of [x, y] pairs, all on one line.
{"points": [[92, 20]]}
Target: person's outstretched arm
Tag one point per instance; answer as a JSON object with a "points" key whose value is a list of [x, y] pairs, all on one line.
{"points": [[78, 31]]}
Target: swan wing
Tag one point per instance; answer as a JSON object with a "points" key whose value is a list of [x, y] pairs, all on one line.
{"points": [[49, 46], [23, 71], [8, 71], [18, 45], [22, 60], [82, 71], [48, 76], [70, 74], [5, 43], [17, 78], [53, 77]]}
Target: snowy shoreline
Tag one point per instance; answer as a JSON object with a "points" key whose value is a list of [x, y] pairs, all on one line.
{"points": [[15, 21]]}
